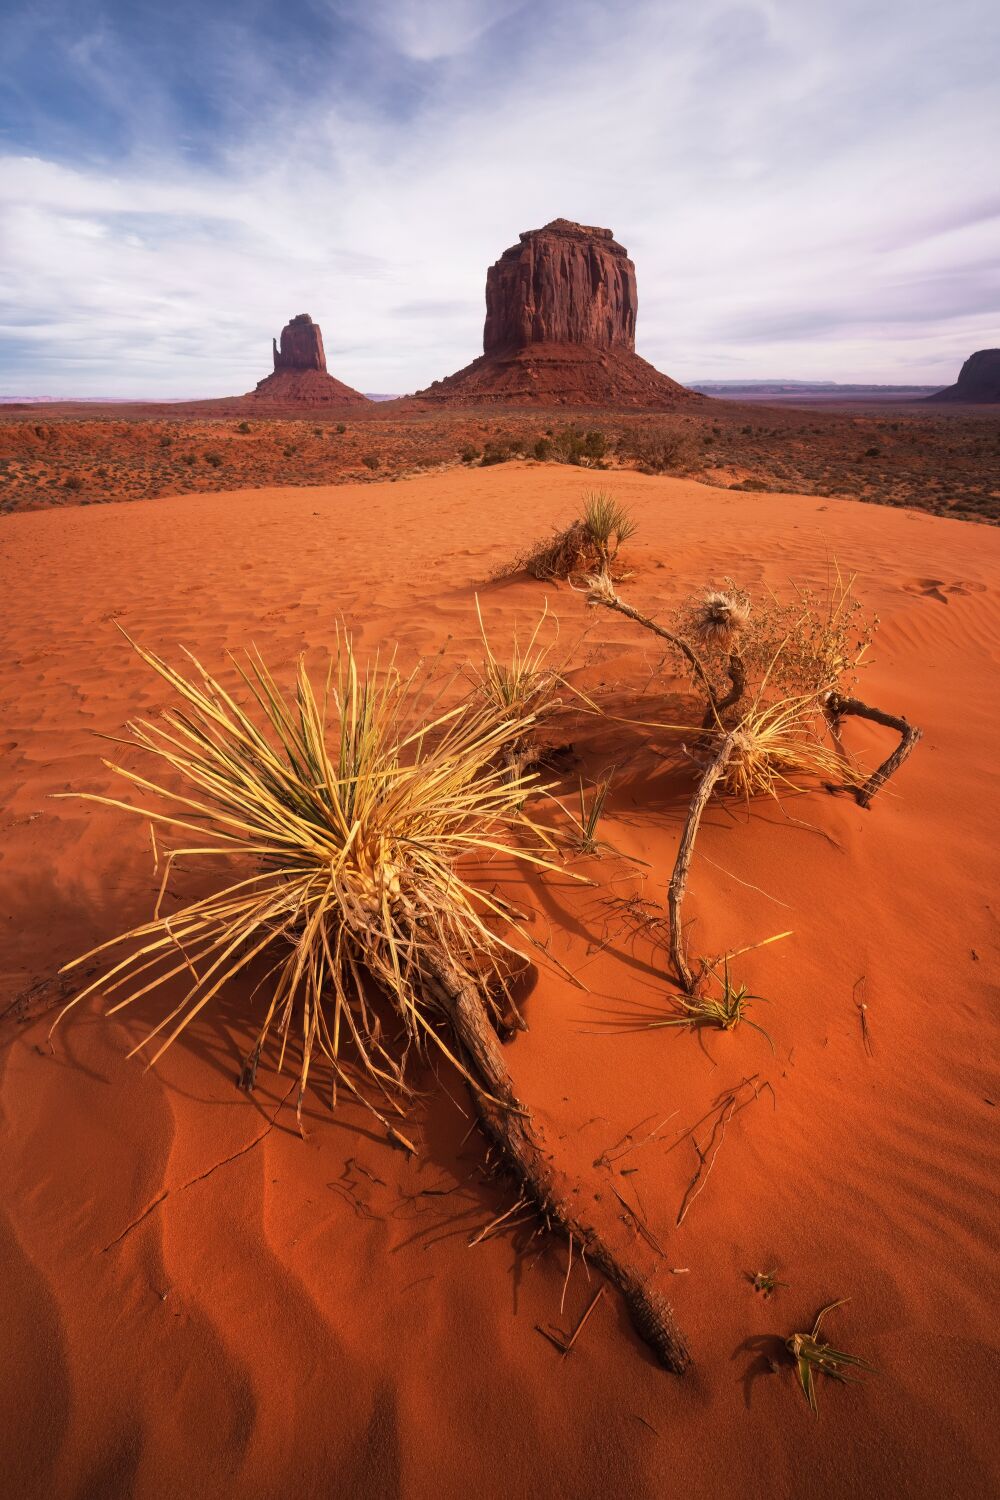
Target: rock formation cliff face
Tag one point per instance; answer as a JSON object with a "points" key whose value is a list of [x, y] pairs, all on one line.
{"points": [[301, 346], [560, 328], [300, 375], [564, 284], [978, 380]]}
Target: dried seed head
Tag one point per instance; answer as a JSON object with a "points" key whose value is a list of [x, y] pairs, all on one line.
{"points": [[600, 588], [719, 616]]}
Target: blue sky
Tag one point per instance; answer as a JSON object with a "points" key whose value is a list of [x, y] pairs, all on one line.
{"points": [[808, 187]]}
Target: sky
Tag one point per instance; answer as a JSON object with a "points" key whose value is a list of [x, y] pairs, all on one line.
{"points": [[809, 188]]}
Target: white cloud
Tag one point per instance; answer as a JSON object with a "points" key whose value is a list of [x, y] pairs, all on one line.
{"points": [[806, 191]]}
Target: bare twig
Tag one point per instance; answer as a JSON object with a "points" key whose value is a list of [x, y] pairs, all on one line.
{"points": [[838, 707]]}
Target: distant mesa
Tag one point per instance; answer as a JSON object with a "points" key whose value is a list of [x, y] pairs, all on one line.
{"points": [[561, 311], [978, 380], [300, 375]]}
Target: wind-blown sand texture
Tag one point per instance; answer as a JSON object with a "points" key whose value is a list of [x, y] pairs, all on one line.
{"points": [[198, 1302]]}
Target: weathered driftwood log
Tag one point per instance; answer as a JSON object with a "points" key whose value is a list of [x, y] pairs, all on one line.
{"points": [[839, 707], [510, 1126], [678, 881]]}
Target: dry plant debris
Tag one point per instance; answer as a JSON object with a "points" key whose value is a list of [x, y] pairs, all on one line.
{"points": [[773, 676], [813, 1357], [589, 544]]}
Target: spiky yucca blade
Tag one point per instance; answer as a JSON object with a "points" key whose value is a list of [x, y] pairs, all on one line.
{"points": [[355, 819]]}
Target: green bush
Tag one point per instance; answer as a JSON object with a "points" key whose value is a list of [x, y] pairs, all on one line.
{"points": [[494, 453]]}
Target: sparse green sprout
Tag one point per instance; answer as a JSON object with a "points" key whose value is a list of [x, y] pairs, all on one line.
{"points": [[586, 839], [765, 1282], [724, 1012], [814, 1358]]}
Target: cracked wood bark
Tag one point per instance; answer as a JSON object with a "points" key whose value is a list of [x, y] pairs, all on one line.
{"points": [[678, 881], [510, 1126], [839, 707]]}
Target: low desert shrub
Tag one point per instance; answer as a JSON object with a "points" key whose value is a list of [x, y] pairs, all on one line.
{"points": [[588, 545], [655, 452], [371, 460], [496, 451], [73, 482], [214, 459]]}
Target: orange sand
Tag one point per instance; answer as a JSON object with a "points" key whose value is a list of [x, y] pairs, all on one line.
{"points": [[299, 1317]]}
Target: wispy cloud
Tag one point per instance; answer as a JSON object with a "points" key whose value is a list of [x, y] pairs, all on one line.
{"points": [[807, 190]]}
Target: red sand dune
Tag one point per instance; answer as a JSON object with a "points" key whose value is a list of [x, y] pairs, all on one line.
{"points": [[198, 1302]]}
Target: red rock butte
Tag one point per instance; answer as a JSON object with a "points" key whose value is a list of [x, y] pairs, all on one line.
{"points": [[560, 328], [300, 376], [978, 380]]}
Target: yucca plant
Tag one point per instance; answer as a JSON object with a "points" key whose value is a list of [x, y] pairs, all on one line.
{"points": [[608, 524], [812, 1357], [352, 824], [764, 735]]}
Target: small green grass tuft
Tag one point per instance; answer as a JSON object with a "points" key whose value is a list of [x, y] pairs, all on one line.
{"points": [[607, 521], [725, 1012]]}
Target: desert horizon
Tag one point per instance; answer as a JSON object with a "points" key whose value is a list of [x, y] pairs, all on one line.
{"points": [[499, 951]]}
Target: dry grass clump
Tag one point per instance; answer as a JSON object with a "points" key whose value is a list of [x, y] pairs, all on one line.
{"points": [[349, 820], [812, 1357], [527, 682], [523, 685], [588, 545]]}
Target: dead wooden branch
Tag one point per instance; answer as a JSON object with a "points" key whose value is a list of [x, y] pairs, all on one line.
{"points": [[839, 707], [510, 1126], [678, 881]]}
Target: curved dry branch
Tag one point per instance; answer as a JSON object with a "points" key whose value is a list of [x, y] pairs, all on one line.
{"points": [[610, 600], [510, 1126], [839, 707]]}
